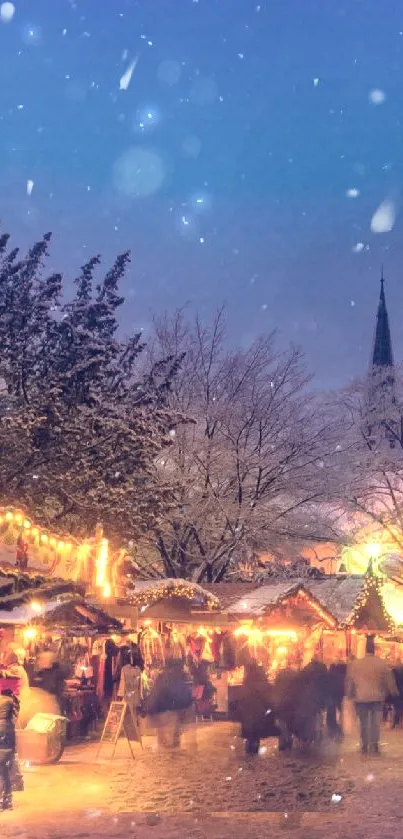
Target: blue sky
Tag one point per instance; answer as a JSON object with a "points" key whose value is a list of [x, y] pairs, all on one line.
{"points": [[243, 161]]}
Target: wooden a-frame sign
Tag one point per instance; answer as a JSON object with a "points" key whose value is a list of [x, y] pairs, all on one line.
{"points": [[115, 724]]}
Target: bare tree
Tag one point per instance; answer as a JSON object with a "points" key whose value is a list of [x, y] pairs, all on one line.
{"points": [[367, 469], [249, 467]]}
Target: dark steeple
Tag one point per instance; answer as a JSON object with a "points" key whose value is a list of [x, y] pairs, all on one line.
{"points": [[382, 355], [384, 419]]}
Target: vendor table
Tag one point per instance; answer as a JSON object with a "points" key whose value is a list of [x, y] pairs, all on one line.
{"points": [[82, 709]]}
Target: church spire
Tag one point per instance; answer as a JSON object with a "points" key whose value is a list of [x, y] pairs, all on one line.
{"points": [[382, 355], [384, 419]]}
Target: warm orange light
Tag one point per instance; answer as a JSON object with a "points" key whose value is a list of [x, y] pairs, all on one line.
{"points": [[27, 524], [255, 636], [282, 633], [18, 517], [44, 538], [107, 590], [9, 516], [52, 541], [102, 563], [30, 633]]}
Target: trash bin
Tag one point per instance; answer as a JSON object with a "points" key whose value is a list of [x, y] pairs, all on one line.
{"points": [[43, 740]]}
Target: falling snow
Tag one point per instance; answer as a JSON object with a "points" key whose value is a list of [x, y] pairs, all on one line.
{"points": [[7, 11], [384, 218], [377, 97], [127, 75]]}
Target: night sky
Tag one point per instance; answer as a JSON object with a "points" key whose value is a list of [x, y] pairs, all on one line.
{"points": [[239, 148]]}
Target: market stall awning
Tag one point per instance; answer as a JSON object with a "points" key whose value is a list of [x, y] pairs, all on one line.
{"points": [[36, 589], [78, 616], [147, 594]]}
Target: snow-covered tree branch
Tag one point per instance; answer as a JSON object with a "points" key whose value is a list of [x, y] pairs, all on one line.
{"points": [[250, 470], [81, 426]]}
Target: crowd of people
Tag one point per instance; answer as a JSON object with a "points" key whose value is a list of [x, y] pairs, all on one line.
{"points": [[298, 703]]}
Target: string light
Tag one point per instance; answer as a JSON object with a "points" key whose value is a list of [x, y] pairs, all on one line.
{"points": [[372, 587], [15, 520], [324, 615], [175, 589]]}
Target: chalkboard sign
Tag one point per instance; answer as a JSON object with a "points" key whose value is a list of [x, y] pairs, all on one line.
{"points": [[115, 725]]}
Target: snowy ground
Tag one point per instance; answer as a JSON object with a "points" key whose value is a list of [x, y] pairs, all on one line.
{"points": [[209, 789]]}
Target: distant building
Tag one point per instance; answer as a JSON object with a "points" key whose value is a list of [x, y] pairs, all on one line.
{"points": [[383, 420]]}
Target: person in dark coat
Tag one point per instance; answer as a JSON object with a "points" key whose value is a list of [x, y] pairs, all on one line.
{"points": [[168, 702], [51, 677], [256, 713], [337, 678], [9, 710]]}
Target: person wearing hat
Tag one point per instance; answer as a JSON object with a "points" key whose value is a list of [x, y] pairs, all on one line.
{"points": [[369, 681]]}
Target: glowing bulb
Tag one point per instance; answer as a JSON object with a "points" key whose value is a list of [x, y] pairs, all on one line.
{"points": [[30, 633], [373, 550], [36, 606]]}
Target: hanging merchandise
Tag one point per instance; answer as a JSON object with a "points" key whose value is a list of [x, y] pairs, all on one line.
{"points": [[106, 671], [151, 646], [229, 653], [216, 645], [21, 557], [175, 644], [196, 644]]}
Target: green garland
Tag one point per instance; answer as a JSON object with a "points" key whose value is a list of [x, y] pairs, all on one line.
{"points": [[175, 589]]}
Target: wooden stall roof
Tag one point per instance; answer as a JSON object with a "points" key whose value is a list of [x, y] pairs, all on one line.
{"points": [[149, 592], [339, 595], [79, 615], [343, 600], [230, 593], [354, 600], [22, 590]]}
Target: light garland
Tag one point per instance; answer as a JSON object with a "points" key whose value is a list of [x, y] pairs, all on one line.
{"points": [[63, 549], [175, 589], [324, 615], [372, 585], [11, 518]]}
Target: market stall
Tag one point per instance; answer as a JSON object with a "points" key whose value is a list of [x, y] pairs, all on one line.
{"points": [[179, 619], [55, 641], [281, 624]]}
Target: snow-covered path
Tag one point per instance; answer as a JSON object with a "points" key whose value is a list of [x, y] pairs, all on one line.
{"points": [[209, 789]]}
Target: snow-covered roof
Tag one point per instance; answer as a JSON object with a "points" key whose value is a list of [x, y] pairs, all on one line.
{"points": [[23, 614], [148, 592], [338, 595], [264, 597]]}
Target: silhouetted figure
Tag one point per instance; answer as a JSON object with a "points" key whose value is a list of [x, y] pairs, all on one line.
{"points": [[256, 712], [9, 710], [168, 702], [336, 685], [369, 681]]}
